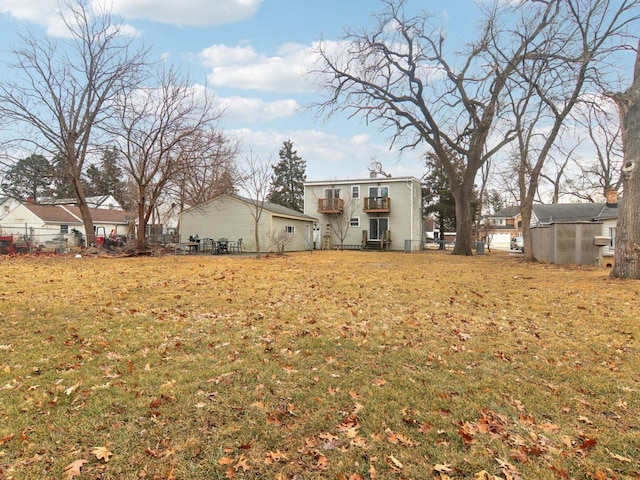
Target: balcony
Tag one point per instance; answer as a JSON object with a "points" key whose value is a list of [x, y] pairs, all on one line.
{"points": [[377, 204], [330, 205]]}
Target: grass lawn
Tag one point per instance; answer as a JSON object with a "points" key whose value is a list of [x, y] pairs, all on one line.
{"points": [[339, 365]]}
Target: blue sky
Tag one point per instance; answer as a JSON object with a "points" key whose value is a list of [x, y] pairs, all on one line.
{"points": [[251, 53]]}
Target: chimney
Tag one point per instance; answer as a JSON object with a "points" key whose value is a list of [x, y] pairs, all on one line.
{"points": [[612, 198], [373, 174]]}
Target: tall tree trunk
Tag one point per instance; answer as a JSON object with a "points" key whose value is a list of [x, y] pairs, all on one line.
{"points": [[627, 249], [141, 237], [257, 236], [85, 213], [464, 222]]}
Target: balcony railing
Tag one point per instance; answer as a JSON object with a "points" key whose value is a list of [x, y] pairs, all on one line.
{"points": [[377, 204], [330, 205]]}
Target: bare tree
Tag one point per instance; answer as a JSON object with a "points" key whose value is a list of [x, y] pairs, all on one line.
{"points": [[60, 91], [341, 222], [157, 129], [627, 248], [209, 171], [255, 181], [571, 58], [599, 174], [402, 76]]}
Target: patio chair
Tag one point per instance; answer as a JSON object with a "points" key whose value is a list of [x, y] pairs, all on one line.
{"points": [[236, 247], [206, 245], [223, 245]]}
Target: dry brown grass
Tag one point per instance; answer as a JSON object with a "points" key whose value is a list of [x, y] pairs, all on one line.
{"points": [[341, 365]]}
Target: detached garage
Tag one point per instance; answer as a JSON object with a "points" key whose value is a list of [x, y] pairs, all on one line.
{"points": [[232, 217]]}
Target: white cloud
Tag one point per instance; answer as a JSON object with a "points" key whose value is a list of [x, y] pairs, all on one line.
{"points": [[49, 14], [187, 12], [256, 110], [331, 156], [242, 67], [178, 12]]}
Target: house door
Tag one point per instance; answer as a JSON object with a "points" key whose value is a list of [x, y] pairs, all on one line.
{"points": [[377, 227]]}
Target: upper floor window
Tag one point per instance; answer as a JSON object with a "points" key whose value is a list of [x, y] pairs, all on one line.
{"points": [[378, 191], [290, 229], [355, 191], [331, 193], [64, 228]]}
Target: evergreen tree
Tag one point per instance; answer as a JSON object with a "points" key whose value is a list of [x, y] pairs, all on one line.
{"points": [[437, 195], [62, 186], [30, 177], [287, 185], [106, 178]]}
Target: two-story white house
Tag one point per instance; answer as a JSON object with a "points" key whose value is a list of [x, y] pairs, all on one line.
{"points": [[383, 213]]}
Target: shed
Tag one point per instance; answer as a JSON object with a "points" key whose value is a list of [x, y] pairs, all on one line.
{"points": [[567, 243]]}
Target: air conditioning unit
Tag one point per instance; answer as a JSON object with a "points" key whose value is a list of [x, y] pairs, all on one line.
{"points": [[601, 241]]}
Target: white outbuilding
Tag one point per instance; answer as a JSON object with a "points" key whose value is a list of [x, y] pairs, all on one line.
{"points": [[233, 217]]}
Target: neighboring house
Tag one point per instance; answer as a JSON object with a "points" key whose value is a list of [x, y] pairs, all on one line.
{"points": [[377, 212], [609, 218], [566, 232], [7, 204], [48, 223], [503, 225], [107, 202], [230, 216]]}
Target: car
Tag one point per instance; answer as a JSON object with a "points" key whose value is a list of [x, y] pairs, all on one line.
{"points": [[517, 243]]}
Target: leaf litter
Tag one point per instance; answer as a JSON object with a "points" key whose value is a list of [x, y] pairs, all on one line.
{"points": [[331, 364]]}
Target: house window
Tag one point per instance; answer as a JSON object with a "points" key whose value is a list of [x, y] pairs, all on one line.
{"points": [[379, 192], [64, 228], [612, 235], [290, 229], [354, 222], [355, 191], [6, 209], [331, 193]]}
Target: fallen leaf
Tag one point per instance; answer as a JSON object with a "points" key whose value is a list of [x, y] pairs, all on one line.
{"points": [[71, 389], [394, 463], [242, 464], [275, 457], [620, 458], [225, 461], [323, 462], [73, 469], [442, 467], [102, 453]]}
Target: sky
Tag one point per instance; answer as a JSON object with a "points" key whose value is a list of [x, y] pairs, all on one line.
{"points": [[252, 54]]}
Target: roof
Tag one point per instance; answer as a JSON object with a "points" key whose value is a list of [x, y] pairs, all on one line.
{"points": [[562, 212], [71, 215], [508, 212], [52, 213], [567, 212], [609, 212], [94, 201], [102, 214], [273, 208], [362, 180]]}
